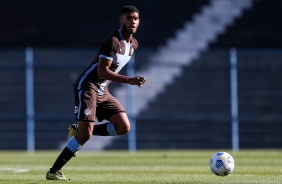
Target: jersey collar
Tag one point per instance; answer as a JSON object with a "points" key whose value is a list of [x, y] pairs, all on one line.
{"points": [[120, 34]]}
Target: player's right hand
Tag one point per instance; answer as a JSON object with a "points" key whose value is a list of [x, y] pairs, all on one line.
{"points": [[139, 81]]}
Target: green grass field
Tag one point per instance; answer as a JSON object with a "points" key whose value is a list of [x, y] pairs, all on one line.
{"points": [[189, 166]]}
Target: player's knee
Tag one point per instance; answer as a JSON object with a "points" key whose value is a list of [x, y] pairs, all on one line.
{"points": [[82, 138], [87, 137], [127, 128], [124, 129]]}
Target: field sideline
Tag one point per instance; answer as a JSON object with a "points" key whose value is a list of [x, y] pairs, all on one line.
{"points": [[177, 166]]}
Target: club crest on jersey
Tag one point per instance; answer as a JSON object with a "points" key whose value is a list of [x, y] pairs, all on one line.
{"points": [[87, 112]]}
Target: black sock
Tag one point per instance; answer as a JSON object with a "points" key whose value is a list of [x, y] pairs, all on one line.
{"points": [[101, 130], [62, 159]]}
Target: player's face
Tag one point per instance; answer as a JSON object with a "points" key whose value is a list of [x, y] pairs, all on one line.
{"points": [[129, 22]]}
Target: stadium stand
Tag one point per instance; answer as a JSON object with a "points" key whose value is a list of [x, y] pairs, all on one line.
{"points": [[78, 24], [259, 28], [191, 112]]}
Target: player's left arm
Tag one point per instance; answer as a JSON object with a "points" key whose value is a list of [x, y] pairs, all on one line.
{"points": [[104, 72]]}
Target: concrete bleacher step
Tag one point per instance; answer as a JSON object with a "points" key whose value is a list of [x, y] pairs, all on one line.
{"points": [[255, 35]]}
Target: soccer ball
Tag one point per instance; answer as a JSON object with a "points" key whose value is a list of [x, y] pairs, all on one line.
{"points": [[222, 163]]}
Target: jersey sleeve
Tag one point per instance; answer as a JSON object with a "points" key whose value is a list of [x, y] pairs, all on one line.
{"points": [[108, 48]]}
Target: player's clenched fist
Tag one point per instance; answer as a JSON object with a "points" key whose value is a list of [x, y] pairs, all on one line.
{"points": [[139, 81]]}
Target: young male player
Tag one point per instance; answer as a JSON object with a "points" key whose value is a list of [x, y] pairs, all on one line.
{"points": [[92, 97]]}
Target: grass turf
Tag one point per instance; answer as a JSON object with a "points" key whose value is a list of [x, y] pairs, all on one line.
{"points": [[178, 166]]}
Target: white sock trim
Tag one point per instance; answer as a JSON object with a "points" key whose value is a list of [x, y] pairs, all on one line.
{"points": [[73, 145]]}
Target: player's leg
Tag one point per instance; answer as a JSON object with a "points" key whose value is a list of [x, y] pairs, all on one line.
{"points": [[73, 145], [55, 172], [85, 114], [111, 110], [85, 132], [121, 123], [118, 125]]}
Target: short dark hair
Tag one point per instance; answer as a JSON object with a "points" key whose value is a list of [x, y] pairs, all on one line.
{"points": [[129, 8]]}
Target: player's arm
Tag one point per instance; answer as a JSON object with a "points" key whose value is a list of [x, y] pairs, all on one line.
{"points": [[104, 72]]}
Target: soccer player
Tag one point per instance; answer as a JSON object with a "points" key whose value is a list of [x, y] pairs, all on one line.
{"points": [[92, 97]]}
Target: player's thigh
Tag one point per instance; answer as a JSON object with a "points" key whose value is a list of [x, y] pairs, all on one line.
{"points": [[108, 107], [111, 109], [120, 122]]}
